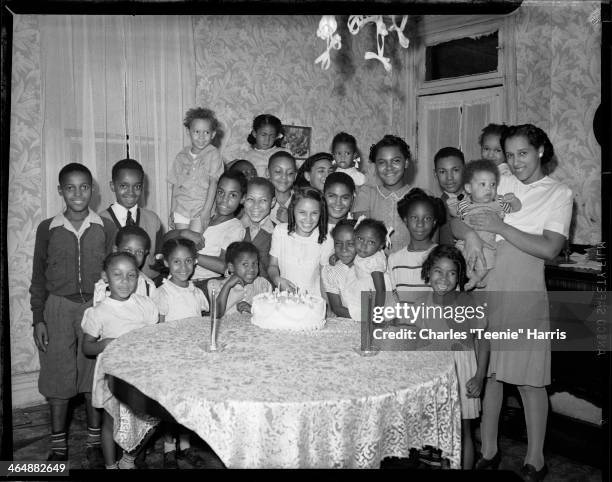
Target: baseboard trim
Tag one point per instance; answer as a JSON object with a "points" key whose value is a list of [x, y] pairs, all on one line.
{"points": [[25, 390]]}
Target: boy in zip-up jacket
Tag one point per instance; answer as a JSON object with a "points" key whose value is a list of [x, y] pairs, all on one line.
{"points": [[68, 256]]}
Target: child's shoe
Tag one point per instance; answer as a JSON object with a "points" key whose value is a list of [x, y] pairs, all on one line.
{"points": [[192, 456], [56, 456], [95, 458], [170, 460]]}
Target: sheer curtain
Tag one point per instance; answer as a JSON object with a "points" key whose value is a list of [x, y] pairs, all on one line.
{"points": [[113, 84]]}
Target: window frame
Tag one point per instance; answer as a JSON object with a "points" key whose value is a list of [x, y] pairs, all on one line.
{"points": [[433, 30]]}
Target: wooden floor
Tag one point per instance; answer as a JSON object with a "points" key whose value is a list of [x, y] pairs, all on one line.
{"points": [[31, 442]]}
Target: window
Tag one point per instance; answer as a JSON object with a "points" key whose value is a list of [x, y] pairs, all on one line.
{"points": [[465, 56]]}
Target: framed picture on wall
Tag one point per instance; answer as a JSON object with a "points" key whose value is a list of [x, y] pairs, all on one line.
{"points": [[297, 141]]}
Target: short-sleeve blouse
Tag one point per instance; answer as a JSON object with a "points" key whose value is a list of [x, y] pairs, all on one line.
{"points": [[376, 262], [112, 318], [299, 257], [175, 302], [546, 205]]}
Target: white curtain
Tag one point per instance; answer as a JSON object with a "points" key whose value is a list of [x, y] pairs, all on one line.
{"points": [[107, 78]]}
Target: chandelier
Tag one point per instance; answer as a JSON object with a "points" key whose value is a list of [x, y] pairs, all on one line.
{"points": [[327, 31]]}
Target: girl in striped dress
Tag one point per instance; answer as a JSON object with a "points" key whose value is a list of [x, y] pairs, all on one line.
{"points": [[422, 214]]}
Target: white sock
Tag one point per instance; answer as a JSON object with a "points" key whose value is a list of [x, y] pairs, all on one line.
{"points": [[169, 446], [184, 441], [113, 466]]}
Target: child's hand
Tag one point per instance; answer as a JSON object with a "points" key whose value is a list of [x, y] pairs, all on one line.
{"points": [[282, 215], [193, 236], [41, 336], [243, 307], [333, 259], [286, 285], [234, 280], [508, 197], [487, 221], [474, 387]]}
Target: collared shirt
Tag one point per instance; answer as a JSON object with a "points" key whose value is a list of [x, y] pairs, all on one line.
{"points": [[546, 205], [276, 207], [265, 224], [192, 177], [62, 220], [121, 213]]}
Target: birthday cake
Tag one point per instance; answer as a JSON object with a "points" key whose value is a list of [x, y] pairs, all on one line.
{"points": [[287, 311]]}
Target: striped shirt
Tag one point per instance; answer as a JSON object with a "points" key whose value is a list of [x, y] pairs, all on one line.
{"points": [[404, 268]]}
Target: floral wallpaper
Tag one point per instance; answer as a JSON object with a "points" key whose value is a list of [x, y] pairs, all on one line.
{"points": [[25, 181], [559, 85], [250, 65]]}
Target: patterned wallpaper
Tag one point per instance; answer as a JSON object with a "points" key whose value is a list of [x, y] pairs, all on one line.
{"points": [[25, 201], [559, 85], [250, 65]]}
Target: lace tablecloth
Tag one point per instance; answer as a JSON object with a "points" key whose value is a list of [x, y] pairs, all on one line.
{"points": [[277, 399]]}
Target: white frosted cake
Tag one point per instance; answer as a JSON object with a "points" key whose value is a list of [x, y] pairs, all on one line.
{"points": [[287, 311]]}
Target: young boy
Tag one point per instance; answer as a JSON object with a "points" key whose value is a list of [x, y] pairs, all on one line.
{"points": [[128, 185], [282, 172], [449, 163], [68, 256], [258, 203]]}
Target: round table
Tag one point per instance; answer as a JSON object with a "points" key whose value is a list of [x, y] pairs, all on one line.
{"points": [[277, 399]]}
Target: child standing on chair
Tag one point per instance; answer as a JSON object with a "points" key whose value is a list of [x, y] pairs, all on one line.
{"points": [[117, 314], [68, 256], [346, 157], [195, 172], [128, 185], [264, 139]]}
